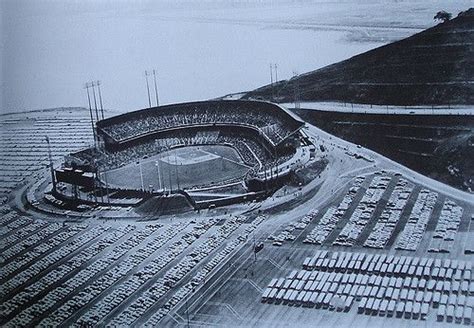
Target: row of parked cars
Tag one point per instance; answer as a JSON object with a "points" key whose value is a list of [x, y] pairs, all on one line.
{"points": [[389, 265], [124, 289], [23, 239], [110, 268], [388, 220], [176, 273], [11, 221], [363, 212], [203, 274], [159, 288], [40, 257], [446, 227], [10, 239], [332, 216], [327, 281], [457, 314], [287, 235], [45, 284], [412, 234]]}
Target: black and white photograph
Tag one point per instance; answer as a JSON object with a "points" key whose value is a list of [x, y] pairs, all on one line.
{"points": [[237, 163]]}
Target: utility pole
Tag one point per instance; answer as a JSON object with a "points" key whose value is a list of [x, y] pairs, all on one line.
{"points": [[187, 311], [87, 86], [156, 89], [271, 75], [276, 73], [106, 187], [162, 176], [141, 175], [100, 100], [169, 177], [51, 165], [277, 172], [296, 90], [148, 89], [157, 165], [272, 80], [271, 176], [176, 169], [100, 187], [266, 180], [254, 248], [95, 180]]}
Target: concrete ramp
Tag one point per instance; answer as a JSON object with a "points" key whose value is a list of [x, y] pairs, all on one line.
{"points": [[165, 205]]}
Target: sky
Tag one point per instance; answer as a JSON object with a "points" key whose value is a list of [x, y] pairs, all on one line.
{"points": [[200, 50]]}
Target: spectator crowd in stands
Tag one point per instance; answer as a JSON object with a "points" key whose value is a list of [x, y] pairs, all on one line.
{"points": [[250, 149], [270, 120]]}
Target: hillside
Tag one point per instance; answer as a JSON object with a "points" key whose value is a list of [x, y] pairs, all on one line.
{"points": [[438, 146], [435, 66]]}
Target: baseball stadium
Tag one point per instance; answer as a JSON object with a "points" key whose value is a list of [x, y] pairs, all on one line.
{"points": [[197, 154]]}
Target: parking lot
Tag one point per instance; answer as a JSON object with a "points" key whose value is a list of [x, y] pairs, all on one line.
{"points": [[366, 256], [24, 149], [111, 273], [380, 245]]}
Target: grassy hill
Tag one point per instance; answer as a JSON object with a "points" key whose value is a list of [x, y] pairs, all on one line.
{"points": [[438, 146], [433, 67]]}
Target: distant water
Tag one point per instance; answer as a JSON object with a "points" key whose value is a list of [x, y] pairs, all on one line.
{"points": [[200, 49]]}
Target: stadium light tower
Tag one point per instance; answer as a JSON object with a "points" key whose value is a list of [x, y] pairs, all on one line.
{"points": [[271, 79], [87, 86], [100, 100], [156, 89], [148, 89], [51, 165], [95, 101]]}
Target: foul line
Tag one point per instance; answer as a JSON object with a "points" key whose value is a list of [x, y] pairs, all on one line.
{"points": [[254, 285], [276, 265]]}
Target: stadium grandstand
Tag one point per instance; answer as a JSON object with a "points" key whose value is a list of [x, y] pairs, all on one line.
{"points": [[274, 122], [233, 141]]}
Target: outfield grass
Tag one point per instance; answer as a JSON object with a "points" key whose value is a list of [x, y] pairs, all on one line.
{"points": [[188, 166]]}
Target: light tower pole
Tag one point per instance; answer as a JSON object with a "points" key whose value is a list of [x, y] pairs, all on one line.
{"points": [[276, 73], [169, 175], [87, 86], [271, 79], [176, 170], [51, 165], [106, 186], [158, 172], [141, 176], [271, 75], [156, 89], [95, 101], [100, 100], [148, 89]]}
